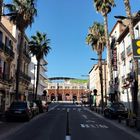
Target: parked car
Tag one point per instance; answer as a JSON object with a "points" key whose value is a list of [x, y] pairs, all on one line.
{"points": [[34, 108], [113, 110], [19, 109]]}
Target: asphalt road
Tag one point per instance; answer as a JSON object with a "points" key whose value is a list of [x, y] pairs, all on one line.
{"points": [[67, 119]]}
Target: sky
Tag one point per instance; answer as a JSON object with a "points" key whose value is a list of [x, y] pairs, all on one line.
{"points": [[66, 24]]}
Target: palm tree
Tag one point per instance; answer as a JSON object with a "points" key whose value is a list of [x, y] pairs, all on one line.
{"points": [[39, 47], [1, 6], [21, 13], [104, 7], [96, 38]]}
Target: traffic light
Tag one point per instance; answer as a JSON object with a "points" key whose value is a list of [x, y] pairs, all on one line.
{"points": [[136, 48]]}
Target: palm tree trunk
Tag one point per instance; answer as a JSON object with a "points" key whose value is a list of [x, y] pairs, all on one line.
{"points": [[101, 79], [19, 63], [37, 78], [1, 7], [109, 52]]}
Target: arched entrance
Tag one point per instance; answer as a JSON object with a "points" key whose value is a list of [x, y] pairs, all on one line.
{"points": [[67, 97], [59, 97], [75, 97]]}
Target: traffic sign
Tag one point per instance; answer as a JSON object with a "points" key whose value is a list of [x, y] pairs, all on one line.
{"points": [[136, 48]]}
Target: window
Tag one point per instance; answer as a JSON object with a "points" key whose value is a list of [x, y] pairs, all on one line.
{"points": [[1, 38], [128, 50]]}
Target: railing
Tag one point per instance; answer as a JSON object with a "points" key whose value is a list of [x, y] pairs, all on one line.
{"points": [[6, 50], [25, 76], [25, 54]]}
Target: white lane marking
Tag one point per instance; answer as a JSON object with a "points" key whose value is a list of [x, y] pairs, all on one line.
{"points": [[82, 125], [87, 126], [68, 109], [93, 126], [79, 109], [68, 138], [84, 116], [90, 121], [53, 107]]}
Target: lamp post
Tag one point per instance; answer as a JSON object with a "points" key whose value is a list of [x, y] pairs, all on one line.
{"points": [[102, 100]]}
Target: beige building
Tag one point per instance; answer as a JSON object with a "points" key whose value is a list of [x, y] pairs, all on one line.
{"points": [[8, 64], [94, 82]]}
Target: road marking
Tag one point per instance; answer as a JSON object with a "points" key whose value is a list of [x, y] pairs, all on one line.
{"points": [[68, 138], [79, 109], [82, 125], [90, 121], [84, 116], [93, 126]]}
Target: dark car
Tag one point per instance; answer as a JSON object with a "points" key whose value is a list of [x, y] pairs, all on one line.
{"points": [[20, 110], [113, 110]]}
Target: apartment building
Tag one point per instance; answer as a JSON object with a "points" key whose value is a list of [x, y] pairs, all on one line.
{"points": [[42, 78], [123, 73], [9, 44], [7, 66]]}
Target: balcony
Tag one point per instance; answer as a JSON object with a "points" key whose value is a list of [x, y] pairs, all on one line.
{"points": [[129, 50], [5, 78], [26, 56], [9, 52], [24, 77]]}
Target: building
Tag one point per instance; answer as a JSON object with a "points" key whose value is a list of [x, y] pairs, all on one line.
{"points": [[67, 89], [94, 83], [42, 78], [9, 43], [7, 65], [123, 74]]}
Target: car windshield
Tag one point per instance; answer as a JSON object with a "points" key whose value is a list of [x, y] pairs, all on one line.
{"points": [[118, 106], [20, 105]]}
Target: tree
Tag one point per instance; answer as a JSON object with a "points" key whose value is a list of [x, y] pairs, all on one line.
{"points": [[96, 38], [1, 7], [39, 47], [21, 13], [104, 7]]}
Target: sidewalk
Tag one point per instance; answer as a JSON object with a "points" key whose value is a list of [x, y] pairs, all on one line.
{"points": [[130, 130]]}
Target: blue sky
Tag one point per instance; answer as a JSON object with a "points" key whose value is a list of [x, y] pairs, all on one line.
{"points": [[66, 23]]}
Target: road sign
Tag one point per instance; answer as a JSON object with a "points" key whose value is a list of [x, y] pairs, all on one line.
{"points": [[136, 48]]}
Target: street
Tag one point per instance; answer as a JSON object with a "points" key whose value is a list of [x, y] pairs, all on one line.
{"points": [[66, 119]]}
